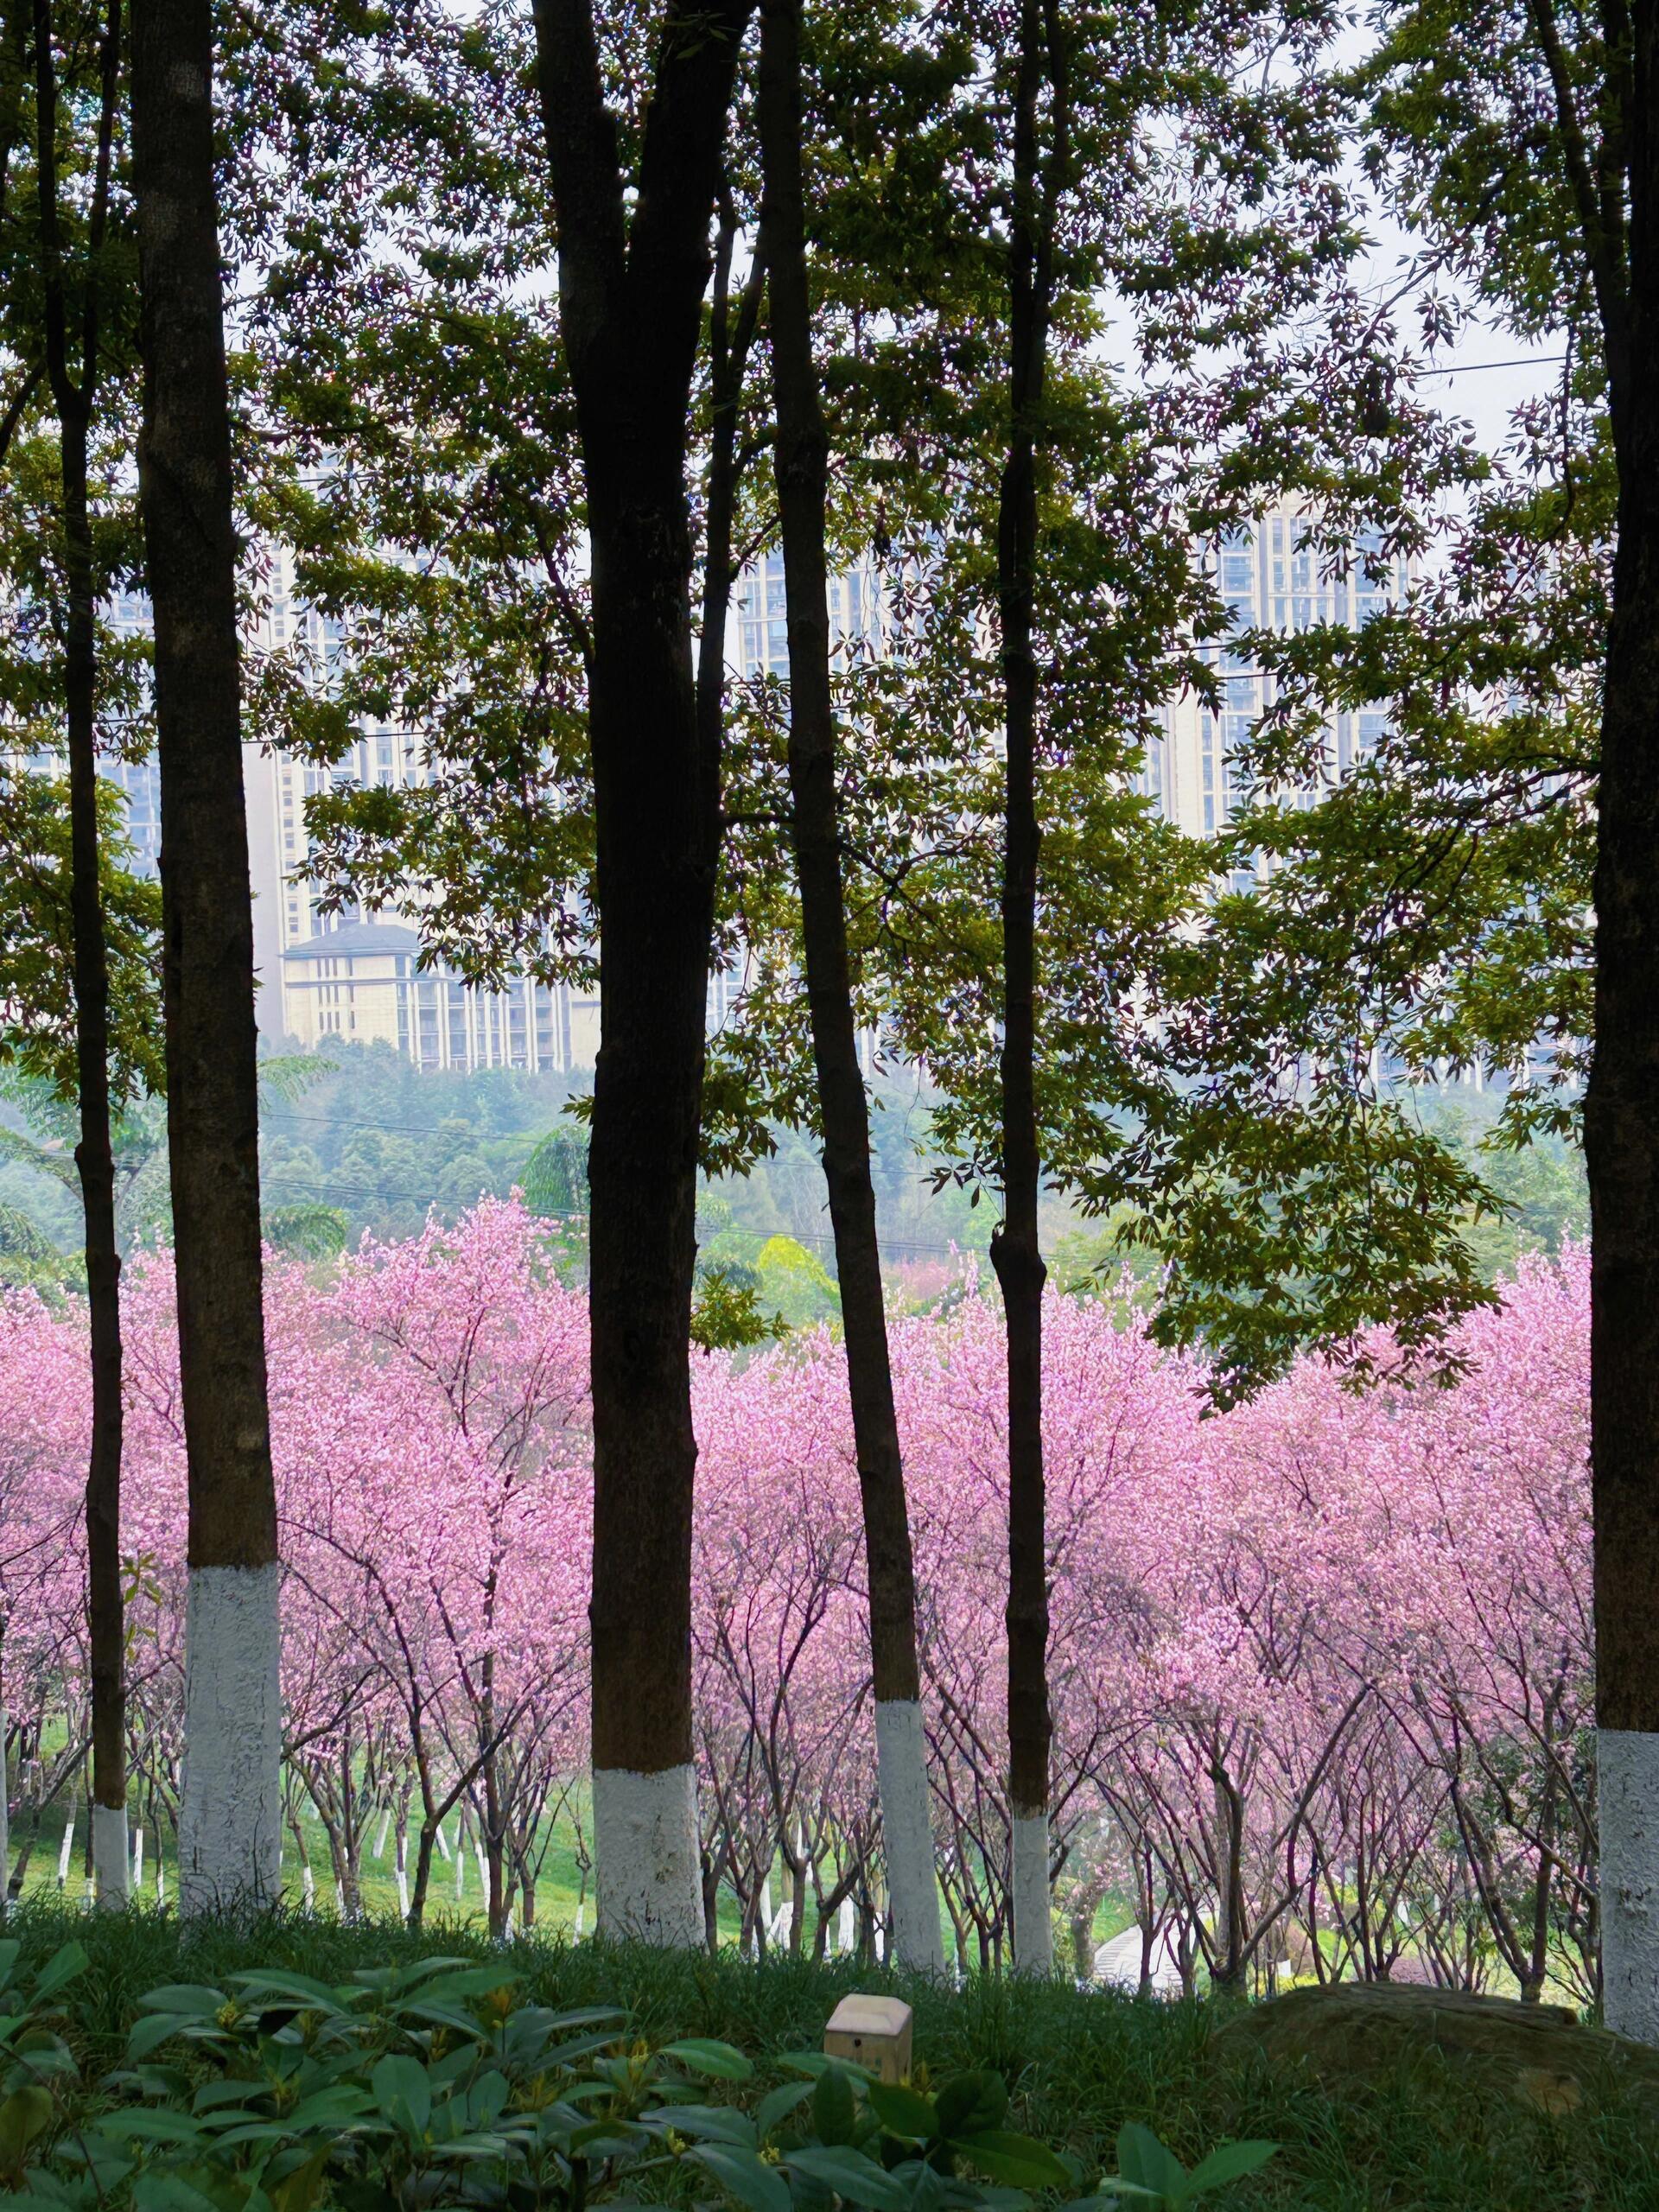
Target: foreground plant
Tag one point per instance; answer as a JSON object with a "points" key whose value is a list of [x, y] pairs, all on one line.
{"points": [[1149, 2173], [430, 2085]]}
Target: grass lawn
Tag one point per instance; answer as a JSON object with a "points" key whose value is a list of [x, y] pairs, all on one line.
{"points": [[1079, 2063]]}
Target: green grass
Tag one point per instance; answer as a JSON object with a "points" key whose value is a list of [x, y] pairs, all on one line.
{"points": [[561, 1888], [1078, 2064]]}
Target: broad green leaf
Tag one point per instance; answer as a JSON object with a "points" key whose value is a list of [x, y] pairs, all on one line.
{"points": [[317, 1996], [456, 1988], [778, 2104], [1228, 2162], [212, 2094], [402, 2092], [852, 2176], [138, 2124], [62, 1966], [718, 2060], [814, 2063], [150, 2032], [24, 2114], [1020, 2160], [749, 2179], [903, 2111], [474, 2145], [299, 2191], [970, 2102], [190, 1999], [706, 2123], [165, 2192], [834, 2108], [1144, 2160]]}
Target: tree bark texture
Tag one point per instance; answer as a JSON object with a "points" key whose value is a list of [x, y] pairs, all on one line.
{"points": [[74, 388], [1618, 218], [630, 286], [229, 1832], [1016, 1253], [802, 460]]}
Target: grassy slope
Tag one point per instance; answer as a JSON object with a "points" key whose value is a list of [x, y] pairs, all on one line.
{"points": [[1078, 2064]]}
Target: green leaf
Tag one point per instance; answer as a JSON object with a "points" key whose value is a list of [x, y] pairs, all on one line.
{"points": [[150, 2032], [404, 2093], [1228, 2162], [835, 2109], [1020, 2160], [165, 2192], [707, 2123], [749, 2179], [904, 2111], [969, 2101], [1142, 2159], [815, 2062], [703, 2056], [25, 2114], [62, 1966], [315, 1996], [456, 1988], [299, 2191], [851, 2174], [191, 2000], [137, 2123], [778, 2104]]}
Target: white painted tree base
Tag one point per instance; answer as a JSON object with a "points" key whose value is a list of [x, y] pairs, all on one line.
{"points": [[908, 1835], [645, 1853], [229, 1815], [110, 1861], [1627, 1762], [1033, 1917]]}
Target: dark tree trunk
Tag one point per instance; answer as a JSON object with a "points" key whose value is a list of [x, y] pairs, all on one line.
{"points": [[1621, 1118], [1016, 1253], [74, 394], [632, 284], [802, 460], [229, 1818]]}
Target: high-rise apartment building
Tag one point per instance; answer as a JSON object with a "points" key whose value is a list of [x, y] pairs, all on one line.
{"points": [[357, 975], [1269, 583]]}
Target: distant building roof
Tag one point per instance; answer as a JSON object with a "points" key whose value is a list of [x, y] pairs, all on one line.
{"points": [[354, 937]]}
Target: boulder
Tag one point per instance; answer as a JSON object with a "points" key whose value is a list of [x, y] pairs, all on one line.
{"points": [[1538, 2055]]}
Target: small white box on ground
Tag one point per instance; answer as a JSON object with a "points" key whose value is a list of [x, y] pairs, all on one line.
{"points": [[873, 2031]]}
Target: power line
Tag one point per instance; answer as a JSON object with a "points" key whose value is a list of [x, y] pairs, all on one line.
{"points": [[1474, 368]]}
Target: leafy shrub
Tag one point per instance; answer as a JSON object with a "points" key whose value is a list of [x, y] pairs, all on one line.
{"points": [[428, 2085]]}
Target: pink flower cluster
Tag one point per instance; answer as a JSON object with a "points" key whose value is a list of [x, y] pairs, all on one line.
{"points": [[1319, 1668]]}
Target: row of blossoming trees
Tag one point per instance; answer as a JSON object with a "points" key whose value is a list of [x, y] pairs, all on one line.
{"points": [[1321, 1666]]}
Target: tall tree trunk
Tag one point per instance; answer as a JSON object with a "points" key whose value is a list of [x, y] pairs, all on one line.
{"points": [[1016, 1254], [229, 1817], [802, 457], [74, 393], [1621, 1119], [632, 282]]}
